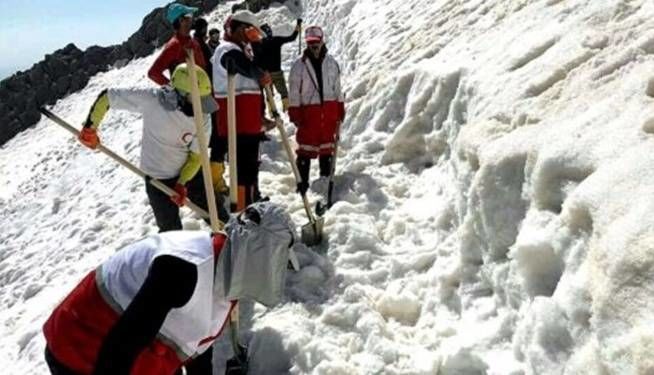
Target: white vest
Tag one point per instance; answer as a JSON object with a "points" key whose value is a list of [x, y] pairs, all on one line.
{"points": [[304, 86], [202, 318], [168, 136], [244, 85]]}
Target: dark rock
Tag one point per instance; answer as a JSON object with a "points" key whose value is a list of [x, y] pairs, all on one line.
{"points": [[78, 81], [16, 103], [95, 55], [29, 116], [70, 50], [62, 84], [13, 84], [91, 70], [55, 66], [138, 47], [42, 93]]}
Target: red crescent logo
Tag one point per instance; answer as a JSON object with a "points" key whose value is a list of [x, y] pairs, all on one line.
{"points": [[187, 137]]}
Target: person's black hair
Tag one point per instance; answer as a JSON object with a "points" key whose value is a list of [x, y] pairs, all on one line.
{"points": [[176, 23], [214, 31], [199, 24]]}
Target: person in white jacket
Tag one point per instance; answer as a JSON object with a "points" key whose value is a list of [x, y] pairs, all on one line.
{"points": [[316, 105], [170, 150]]}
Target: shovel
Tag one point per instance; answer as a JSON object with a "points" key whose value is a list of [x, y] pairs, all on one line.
{"points": [[312, 231]]}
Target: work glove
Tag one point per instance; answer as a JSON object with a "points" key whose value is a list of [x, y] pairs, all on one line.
{"points": [[302, 187], [299, 21], [217, 171], [180, 195], [88, 136], [265, 79]]}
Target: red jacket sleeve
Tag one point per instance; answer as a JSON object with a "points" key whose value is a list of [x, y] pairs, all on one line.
{"points": [[162, 63], [173, 55]]}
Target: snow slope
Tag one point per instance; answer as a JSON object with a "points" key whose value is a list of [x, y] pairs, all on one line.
{"points": [[493, 189]]}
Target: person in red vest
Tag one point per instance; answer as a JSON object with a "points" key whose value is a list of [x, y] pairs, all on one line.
{"points": [[174, 52], [234, 57], [160, 303], [316, 105]]}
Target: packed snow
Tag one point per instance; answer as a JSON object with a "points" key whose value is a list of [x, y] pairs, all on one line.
{"points": [[493, 187]]}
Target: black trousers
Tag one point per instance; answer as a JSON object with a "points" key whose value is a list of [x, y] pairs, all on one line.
{"points": [[304, 165], [166, 213], [247, 164], [56, 368], [247, 156]]}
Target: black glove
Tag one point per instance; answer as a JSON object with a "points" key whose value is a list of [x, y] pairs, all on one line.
{"points": [[299, 21], [238, 365], [302, 187]]}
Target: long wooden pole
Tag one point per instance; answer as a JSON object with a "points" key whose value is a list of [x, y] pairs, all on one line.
{"points": [[206, 168], [233, 191], [216, 224], [231, 141], [289, 151]]}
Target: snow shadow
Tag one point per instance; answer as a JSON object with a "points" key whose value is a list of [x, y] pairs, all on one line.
{"points": [[357, 188], [266, 352]]}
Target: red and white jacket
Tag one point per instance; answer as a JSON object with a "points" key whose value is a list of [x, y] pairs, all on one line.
{"points": [[77, 328], [249, 100], [316, 120]]}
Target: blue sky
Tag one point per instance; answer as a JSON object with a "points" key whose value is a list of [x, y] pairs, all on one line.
{"points": [[32, 28]]}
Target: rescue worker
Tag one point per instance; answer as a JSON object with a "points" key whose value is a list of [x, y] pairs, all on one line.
{"points": [[170, 150], [234, 57], [268, 55], [174, 52], [161, 302], [316, 105]]}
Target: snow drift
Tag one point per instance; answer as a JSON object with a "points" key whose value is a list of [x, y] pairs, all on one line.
{"points": [[493, 189]]}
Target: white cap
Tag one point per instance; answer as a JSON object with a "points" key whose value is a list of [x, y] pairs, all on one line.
{"points": [[245, 16]]}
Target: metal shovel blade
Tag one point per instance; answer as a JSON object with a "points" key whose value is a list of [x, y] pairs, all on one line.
{"points": [[312, 232]]}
